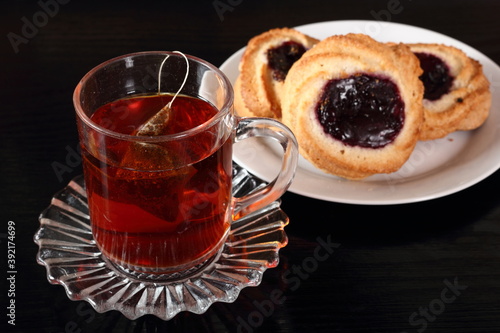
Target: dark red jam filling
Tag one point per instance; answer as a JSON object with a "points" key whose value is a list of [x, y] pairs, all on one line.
{"points": [[282, 57], [436, 77], [362, 110]]}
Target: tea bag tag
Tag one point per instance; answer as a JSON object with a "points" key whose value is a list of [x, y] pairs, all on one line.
{"points": [[157, 123]]}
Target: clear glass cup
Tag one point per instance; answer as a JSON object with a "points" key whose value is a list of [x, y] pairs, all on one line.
{"points": [[159, 196]]}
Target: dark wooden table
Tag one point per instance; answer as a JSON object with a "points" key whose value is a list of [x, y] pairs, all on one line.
{"points": [[431, 266]]}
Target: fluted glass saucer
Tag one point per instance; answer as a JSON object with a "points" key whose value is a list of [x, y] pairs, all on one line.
{"points": [[72, 259]]}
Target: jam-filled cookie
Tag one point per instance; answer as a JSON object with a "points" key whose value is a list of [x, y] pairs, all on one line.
{"points": [[457, 95], [355, 105], [263, 69]]}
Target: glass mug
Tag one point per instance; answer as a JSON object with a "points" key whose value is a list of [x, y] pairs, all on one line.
{"points": [[159, 183]]}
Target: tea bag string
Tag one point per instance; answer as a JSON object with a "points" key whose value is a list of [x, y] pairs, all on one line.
{"points": [[158, 123], [169, 104]]}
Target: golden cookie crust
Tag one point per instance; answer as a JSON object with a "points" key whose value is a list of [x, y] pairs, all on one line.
{"points": [[466, 106], [239, 105], [260, 93], [343, 56]]}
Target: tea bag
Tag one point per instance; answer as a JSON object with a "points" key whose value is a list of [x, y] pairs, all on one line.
{"points": [[158, 122], [147, 156]]}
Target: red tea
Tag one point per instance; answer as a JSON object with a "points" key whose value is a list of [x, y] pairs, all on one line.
{"points": [[155, 204]]}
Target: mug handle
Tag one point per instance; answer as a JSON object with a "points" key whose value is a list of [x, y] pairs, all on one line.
{"points": [[270, 128]]}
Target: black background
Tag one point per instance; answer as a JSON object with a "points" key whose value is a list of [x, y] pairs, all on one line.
{"points": [[391, 261]]}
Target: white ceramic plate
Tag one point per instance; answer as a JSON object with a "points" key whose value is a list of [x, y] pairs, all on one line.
{"points": [[435, 169]]}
